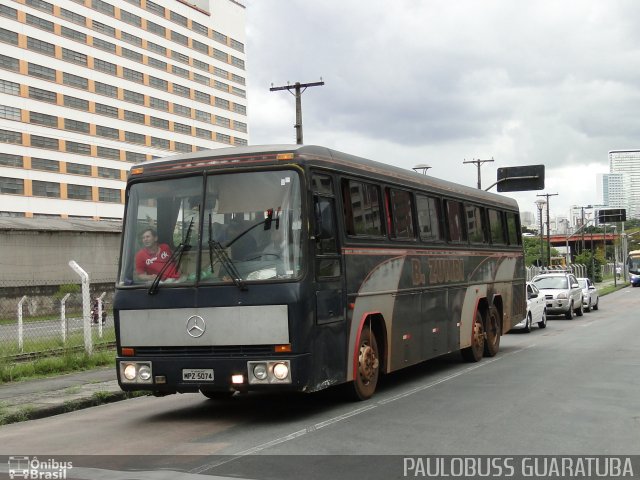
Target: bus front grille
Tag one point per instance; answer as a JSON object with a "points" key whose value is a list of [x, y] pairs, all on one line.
{"points": [[213, 351]]}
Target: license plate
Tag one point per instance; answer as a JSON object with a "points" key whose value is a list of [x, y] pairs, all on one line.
{"points": [[197, 375]]}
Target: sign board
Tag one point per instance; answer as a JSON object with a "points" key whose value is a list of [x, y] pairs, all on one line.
{"points": [[519, 179], [611, 215]]}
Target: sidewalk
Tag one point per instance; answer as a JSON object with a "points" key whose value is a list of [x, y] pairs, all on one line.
{"points": [[45, 397]]}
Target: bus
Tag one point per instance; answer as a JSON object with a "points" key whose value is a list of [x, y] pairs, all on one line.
{"points": [[633, 266], [300, 268]]}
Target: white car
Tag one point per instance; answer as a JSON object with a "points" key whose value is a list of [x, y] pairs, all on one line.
{"points": [[536, 309], [590, 297], [562, 293]]}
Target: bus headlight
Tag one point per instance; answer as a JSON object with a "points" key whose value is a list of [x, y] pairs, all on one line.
{"points": [[280, 371], [269, 372], [260, 371], [136, 372]]}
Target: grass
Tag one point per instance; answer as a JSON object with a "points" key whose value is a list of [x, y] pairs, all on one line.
{"points": [[51, 366], [611, 288], [10, 348]]}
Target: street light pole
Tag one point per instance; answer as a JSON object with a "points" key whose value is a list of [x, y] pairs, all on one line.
{"points": [[541, 203], [547, 195]]}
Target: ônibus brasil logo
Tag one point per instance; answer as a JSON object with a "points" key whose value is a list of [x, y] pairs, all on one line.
{"points": [[32, 468]]}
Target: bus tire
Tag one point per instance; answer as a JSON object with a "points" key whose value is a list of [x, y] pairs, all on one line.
{"points": [[474, 352], [368, 365], [492, 332]]}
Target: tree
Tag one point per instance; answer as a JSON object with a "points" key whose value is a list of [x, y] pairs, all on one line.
{"points": [[593, 263]]}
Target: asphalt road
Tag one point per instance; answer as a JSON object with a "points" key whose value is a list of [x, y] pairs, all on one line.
{"points": [[570, 389]]}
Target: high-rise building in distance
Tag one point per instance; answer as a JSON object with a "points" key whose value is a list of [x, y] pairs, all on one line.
{"points": [[88, 87], [624, 181]]}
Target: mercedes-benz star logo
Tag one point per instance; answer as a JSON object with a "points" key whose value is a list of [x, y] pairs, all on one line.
{"points": [[196, 326]]}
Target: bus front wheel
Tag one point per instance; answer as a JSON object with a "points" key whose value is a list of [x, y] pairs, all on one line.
{"points": [[368, 369]]}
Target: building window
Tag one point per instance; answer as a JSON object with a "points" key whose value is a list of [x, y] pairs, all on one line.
{"points": [[102, 28], [221, 85], [45, 164], [222, 103], [219, 37], [45, 142], [7, 36], [218, 72], [240, 141], [159, 64], [181, 110], [134, 97], [10, 160], [179, 38], [201, 29], [200, 78], [75, 81], [130, 18], [132, 55], [238, 79], [10, 63], [182, 147], [160, 143], [236, 45], [104, 45], [127, 37], [159, 104], [76, 125], [237, 62], [133, 116], [103, 7], [240, 127], [40, 46], [73, 17], [179, 56], [203, 133], [157, 29], [203, 116], [8, 12], [73, 34], [179, 19], [105, 89], [103, 66], [112, 153], [238, 108], [78, 192], [133, 75], [76, 147], [77, 103], [14, 186], [75, 57], [160, 123], [200, 64], [10, 113], [134, 137], [223, 122], [182, 72], [40, 5], [182, 128], [135, 157], [42, 95], [108, 173], [155, 8], [107, 110], [238, 91], [200, 47], [154, 47], [202, 97], [220, 55], [7, 136], [221, 137], [79, 169], [111, 195], [39, 22], [45, 189], [107, 132], [159, 83]]}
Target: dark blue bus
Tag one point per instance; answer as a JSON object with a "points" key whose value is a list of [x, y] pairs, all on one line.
{"points": [[299, 268]]}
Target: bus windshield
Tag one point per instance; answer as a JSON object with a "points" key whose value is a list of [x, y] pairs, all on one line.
{"points": [[225, 228], [633, 262]]}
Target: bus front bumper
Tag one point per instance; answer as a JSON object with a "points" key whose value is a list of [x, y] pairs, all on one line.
{"points": [[168, 375]]}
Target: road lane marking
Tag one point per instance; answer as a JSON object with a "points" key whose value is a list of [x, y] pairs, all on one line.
{"points": [[352, 413]]}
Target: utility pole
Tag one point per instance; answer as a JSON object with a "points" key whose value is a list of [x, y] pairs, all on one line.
{"points": [[547, 195], [299, 89], [478, 163]]}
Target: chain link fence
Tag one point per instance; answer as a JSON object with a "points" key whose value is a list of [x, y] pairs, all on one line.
{"points": [[38, 320]]}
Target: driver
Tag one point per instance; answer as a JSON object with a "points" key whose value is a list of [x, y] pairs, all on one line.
{"points": [[152, 257]]}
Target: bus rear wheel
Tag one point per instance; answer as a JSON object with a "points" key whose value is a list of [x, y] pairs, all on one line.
{"points": [[474, 352], [493, 331], [368, 370]]}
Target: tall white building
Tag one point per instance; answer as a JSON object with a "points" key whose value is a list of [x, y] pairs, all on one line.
{"points": [[88, 87], [624, 181]]}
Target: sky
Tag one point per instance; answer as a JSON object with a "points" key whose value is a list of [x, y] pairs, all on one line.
{"points": [[438, 82]]}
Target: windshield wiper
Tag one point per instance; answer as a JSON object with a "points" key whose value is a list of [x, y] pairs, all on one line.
{"points": [[177, 254], [227, 263]]}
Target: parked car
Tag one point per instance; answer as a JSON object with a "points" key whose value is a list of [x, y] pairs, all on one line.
{"points": [[562, 293], [590, 298], [536, 309]]}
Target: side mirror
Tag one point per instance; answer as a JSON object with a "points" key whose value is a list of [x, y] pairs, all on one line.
{"points": [[533, 295], [592, 287], [324, 218], [575, 285]]}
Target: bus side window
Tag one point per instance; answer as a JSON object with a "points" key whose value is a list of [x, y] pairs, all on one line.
{"points": [[429, 218], [476, 225], [455, 221], [401, 205], [497, 228], [363, 209], [513, 229]]}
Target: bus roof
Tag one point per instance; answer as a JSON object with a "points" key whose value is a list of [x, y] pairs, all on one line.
{"points": [[318, 156]]}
